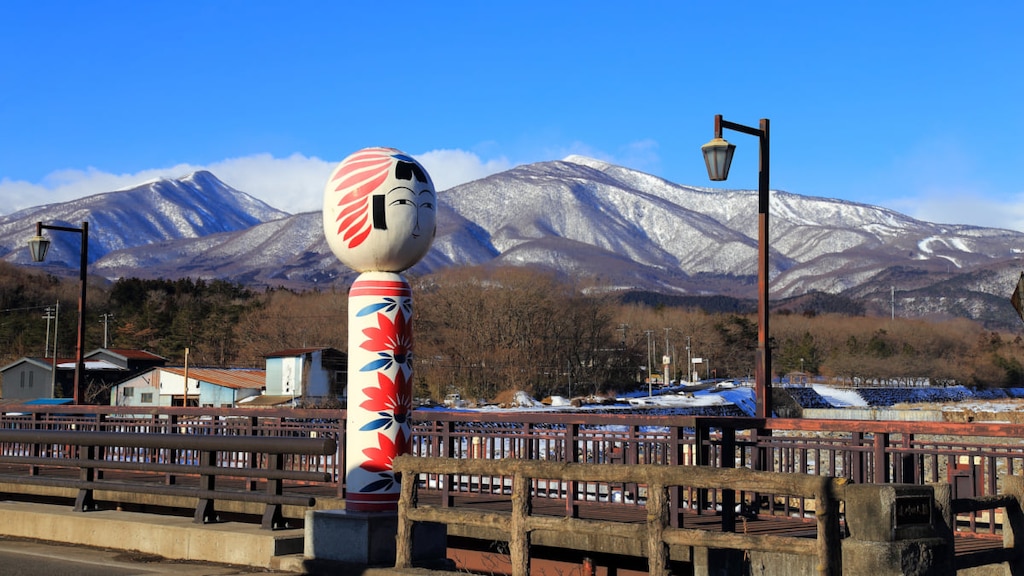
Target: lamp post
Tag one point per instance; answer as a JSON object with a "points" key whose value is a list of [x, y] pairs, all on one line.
{"points": [[650, 363], [718, 156], [38, 245]]}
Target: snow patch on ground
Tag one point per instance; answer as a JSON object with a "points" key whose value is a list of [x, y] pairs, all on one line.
{"points": [[730, 397], [839, 397]]}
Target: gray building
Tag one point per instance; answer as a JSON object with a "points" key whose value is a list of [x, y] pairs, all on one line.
{"points": [[32, 378], [29, 379]]}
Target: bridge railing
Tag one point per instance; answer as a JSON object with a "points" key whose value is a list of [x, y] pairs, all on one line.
{"points": [[658, 533], [91, 455], [1006, 507], [241, 422], [974, 458]]}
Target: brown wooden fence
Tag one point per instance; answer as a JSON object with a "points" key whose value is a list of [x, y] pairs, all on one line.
{"points": [[657, 534]]}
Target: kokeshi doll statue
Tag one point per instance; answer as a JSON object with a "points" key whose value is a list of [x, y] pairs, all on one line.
{"points": [[380, 212]]}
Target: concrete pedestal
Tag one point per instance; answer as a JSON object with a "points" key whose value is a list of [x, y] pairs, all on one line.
{"points": [[368, 538], [896, 530]]}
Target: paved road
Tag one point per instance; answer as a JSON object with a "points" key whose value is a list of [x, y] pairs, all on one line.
{"points": [[34, 558]]}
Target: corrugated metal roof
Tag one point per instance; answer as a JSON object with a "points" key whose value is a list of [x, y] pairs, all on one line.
{"points": [[91, 365], [228, 378], [295, 351], [134, 354], [38, 361], [266, 400]]}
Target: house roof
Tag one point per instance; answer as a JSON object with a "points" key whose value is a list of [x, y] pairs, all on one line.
{"points": [[296, 351], [38, 361], [90, 365], [64, 364], [70, 361], [129, 354], [225, 377], [8, 402], [266, 400], [49, 401]]}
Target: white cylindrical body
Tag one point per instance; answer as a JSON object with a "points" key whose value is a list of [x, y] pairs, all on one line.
{"points": [[379, 389]]}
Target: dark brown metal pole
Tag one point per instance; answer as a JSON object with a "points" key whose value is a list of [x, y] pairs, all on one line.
{"points": [[79, 358], [764, 354], [762, 360]]}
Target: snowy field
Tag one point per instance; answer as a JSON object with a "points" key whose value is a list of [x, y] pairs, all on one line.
{"points": [[737, 397]]}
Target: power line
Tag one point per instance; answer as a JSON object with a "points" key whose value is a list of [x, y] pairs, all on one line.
{"points": [[43, 307]]}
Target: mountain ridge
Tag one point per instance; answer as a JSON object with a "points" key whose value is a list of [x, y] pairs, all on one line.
{"points": [[619, 228]]}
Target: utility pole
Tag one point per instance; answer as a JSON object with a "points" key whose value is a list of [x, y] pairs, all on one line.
{"points": [[53, 367], [106, 317], [568, 372], [47, 317], [689, 361], [650, 360], [184, 401], [666, 361]]}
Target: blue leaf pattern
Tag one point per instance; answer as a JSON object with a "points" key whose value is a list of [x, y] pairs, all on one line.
{"points": [[383, 484], [378, 423], [371, 309]]}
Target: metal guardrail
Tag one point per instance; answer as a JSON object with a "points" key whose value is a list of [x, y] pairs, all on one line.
{"points": [[93, 453]]}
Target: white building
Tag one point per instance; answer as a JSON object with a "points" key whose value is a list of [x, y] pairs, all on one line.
{"points": [[210, 387], [307, 375], [295, 377]]}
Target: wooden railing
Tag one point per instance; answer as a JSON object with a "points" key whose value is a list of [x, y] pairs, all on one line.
{"points": [[1006, 506], [42, 454], [235, 422], [658, 533], [974, 458]]}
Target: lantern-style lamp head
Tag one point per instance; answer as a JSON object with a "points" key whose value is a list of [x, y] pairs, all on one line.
{"points": [[718, 156], [38, 245]]}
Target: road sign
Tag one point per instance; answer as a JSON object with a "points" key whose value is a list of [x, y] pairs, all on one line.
{"points": [[1018, 297]]}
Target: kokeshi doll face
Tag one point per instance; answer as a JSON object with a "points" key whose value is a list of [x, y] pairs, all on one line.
{"points": [[380, 211]]}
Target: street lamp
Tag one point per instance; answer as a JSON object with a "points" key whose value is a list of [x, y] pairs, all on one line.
{"points": [[718, 156], [38, 245]]}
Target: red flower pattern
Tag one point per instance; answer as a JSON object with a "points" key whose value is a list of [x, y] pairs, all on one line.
{"points": [[392, 341], [380, 459], [389, 396]]}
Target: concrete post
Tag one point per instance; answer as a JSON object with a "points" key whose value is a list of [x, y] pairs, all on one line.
{"points": [[895, 530], [1013, 524]]}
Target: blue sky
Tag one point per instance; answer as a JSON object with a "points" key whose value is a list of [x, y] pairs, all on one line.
{"points": [[913, 106]]}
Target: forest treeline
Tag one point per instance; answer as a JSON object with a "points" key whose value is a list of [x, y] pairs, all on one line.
{"points": [[481, 332]]}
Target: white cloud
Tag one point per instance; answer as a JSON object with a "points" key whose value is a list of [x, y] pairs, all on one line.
{"points": [[449, 168], [940, 180], [293, 184], [964, 207], [641, 155]]}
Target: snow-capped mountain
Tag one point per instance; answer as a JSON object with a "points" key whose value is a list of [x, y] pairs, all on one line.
{"points": [[615, 227], [191, 207]]}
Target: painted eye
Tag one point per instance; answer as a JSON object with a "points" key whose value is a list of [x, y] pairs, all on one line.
{"points": [[402, 202], [428, 205]]}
